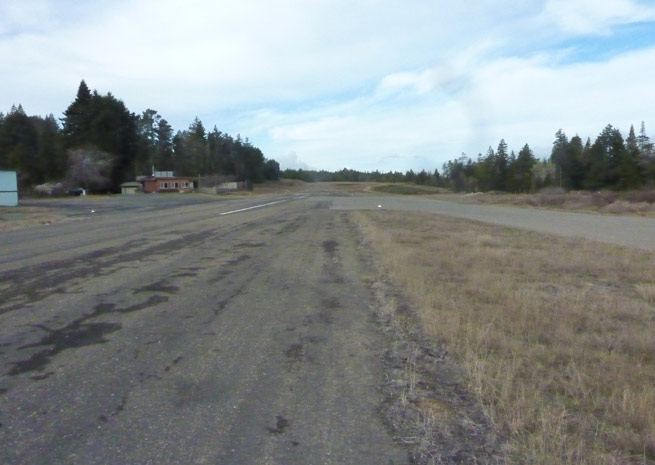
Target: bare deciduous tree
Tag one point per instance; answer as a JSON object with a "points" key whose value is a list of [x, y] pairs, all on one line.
{"points": [[89, 168]]}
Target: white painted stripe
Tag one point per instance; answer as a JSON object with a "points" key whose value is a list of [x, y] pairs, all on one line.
{"points": [[251, 208]]}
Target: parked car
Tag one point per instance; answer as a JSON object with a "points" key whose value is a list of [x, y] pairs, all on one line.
{"points": [[76, 191]]}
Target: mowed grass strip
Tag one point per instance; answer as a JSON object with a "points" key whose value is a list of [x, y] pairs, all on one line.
{"points": [[556, 336]]}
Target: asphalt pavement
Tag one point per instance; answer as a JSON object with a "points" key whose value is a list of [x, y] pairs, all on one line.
{"points": [[625, 230], [196, 330], [233, 332]]}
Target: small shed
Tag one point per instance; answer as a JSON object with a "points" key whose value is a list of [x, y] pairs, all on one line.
{"points": [[8, 189], [130, 187]]}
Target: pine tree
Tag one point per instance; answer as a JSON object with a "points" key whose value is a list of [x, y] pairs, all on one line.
{"points": [[572, 167], [558, 156], [644, 143], [523, 170], [52, 157], [502, 161], [646, 156], [77, 118], [146, 124], [603, 159], [21, 146], [197, 148], [164, 146], [628, 173]]}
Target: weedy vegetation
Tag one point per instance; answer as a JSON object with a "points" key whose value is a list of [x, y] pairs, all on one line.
{"points": [[555, 336], [640, 202], [12, 218]]}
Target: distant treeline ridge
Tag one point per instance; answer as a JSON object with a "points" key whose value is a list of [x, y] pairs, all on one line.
{"points": [[101, 144], [610, 162]]}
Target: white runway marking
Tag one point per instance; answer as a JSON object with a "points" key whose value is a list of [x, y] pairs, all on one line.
{"points": [[252, 208]]}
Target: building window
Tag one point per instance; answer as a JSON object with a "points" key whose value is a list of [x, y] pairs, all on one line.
{"points": [[185, 184], [175, 185]]}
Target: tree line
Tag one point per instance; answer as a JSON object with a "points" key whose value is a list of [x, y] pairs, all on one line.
{"points": [[610, 162], [348, 175], [100, 144]]}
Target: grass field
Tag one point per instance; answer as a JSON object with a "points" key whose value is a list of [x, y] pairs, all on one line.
{"points": [[406, 189], [612, 202], [554, 336], [12, 218]]}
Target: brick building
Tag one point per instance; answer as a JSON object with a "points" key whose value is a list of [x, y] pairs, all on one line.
{"points": [[166, 184]]}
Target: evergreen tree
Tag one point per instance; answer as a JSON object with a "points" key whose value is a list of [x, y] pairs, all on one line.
{"points": [[20, 146], [103, 123], [558, 156], [484, 171], [572, 167], [628, 173], [219, 146], [196, 152], [603, 159], [4, 144], [164, 159], [646, 157], [52, 157], [422, 178], [523, 170], [502, 161], [113, 130], [147, 124], [437, 177], [77, 118], [643, 142], [271, 170], [181, 158]]}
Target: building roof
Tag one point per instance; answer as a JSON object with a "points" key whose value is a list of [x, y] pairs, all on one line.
{"points": [[155, 178], [131, 184]]}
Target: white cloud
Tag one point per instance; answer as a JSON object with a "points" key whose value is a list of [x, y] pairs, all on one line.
{"points": [[334, 83], [520, 100], [292, 161], [17, 16], [594, 16], [199, 54]]}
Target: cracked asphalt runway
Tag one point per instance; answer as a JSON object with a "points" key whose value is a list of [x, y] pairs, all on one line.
{"points": [[188, 335], [181, 330]]}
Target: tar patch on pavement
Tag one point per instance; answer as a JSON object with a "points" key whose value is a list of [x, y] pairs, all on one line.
{"points": [[159, 286], [281, 425], [75, 335], [294, 352]]}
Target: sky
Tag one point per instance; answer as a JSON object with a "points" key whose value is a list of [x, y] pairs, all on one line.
{"points": [[359, 84]]}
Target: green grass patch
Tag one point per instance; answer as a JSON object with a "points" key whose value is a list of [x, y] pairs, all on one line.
{"points": [[406, 189]]}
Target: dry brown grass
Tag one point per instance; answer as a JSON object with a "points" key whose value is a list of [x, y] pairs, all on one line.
{"points": [[294, 186], [634, 202], [12, 218], [556, 336]]}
